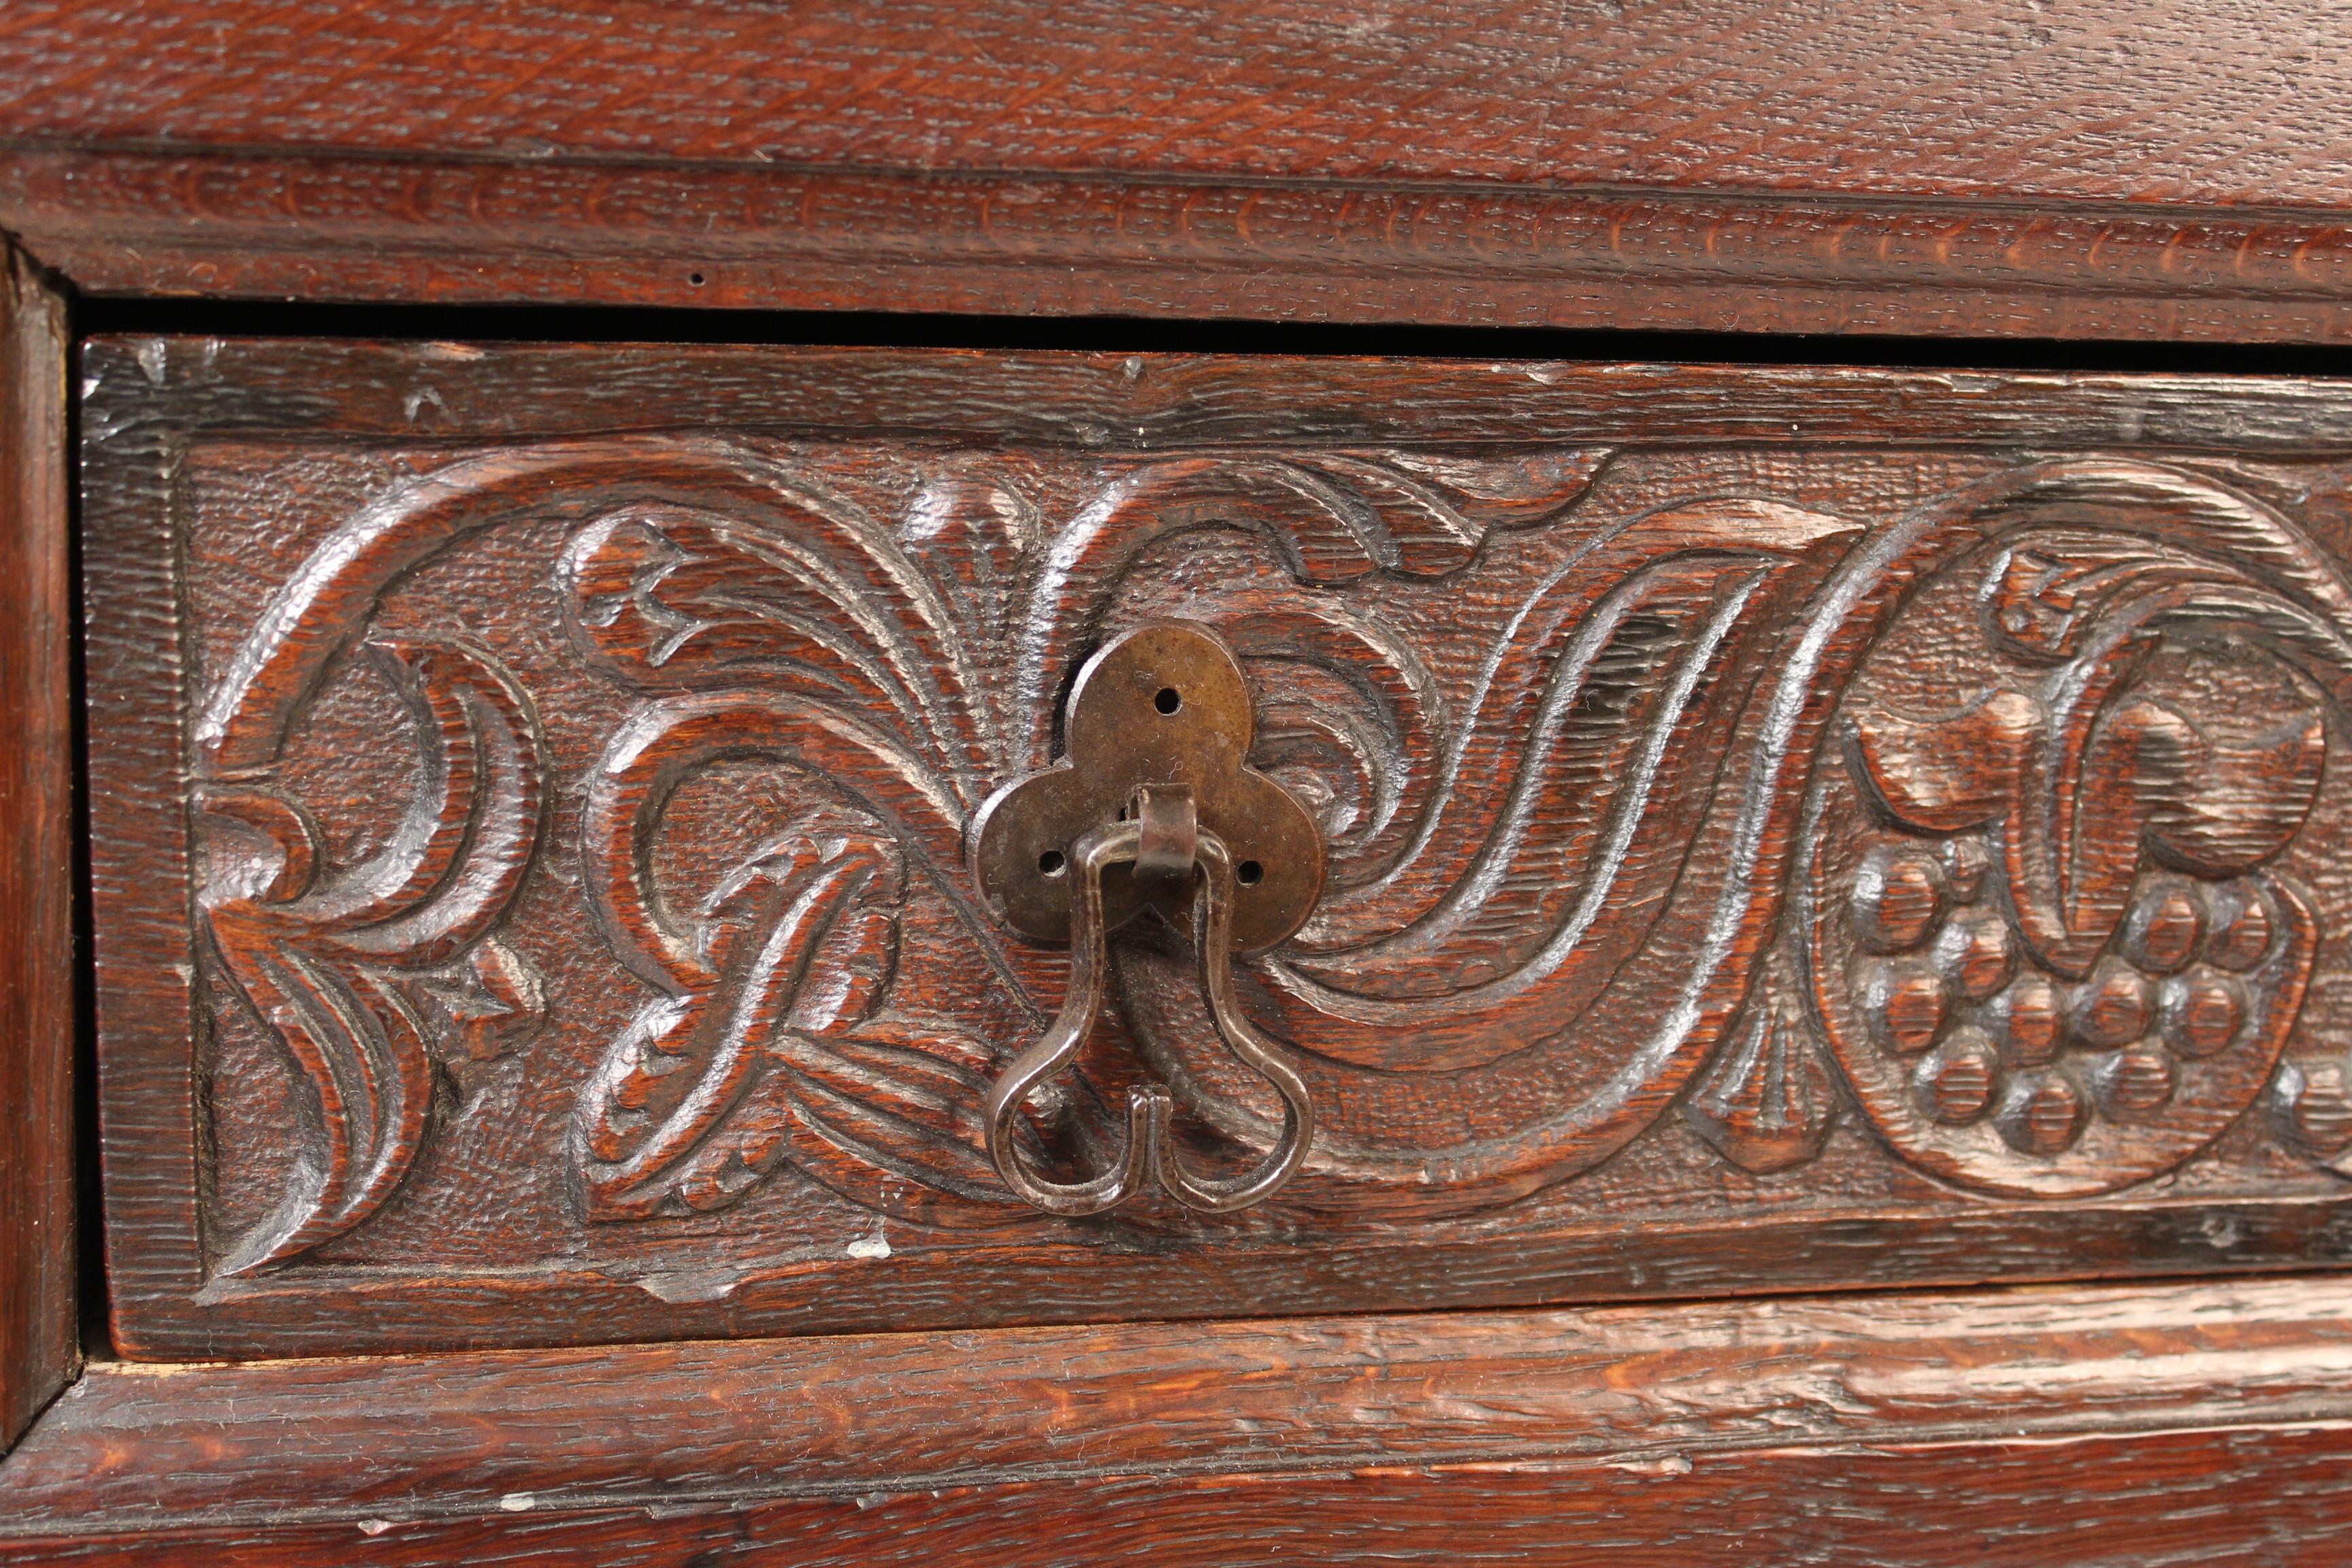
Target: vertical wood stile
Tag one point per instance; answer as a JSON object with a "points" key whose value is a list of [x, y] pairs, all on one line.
{"points": [[37, 1347]]}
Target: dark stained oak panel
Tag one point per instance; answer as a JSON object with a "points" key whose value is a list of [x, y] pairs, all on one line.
{"points": [[1783, 829]]}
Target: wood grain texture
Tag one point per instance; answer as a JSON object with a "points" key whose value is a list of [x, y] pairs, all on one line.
{"points": [[39, 1335], [1971, 98], [1785, 828], [2258, 1499], [1996, 166], [2203, 1423]]}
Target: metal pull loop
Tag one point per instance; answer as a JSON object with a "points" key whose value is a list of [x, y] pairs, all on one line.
{"points": [[1153, 806], [1149, 1149]]}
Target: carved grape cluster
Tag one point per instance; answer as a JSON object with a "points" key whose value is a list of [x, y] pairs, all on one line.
{"points": [[1942, 982]]}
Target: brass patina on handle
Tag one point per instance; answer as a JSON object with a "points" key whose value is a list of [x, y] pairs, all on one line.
{"points": [[1153, 806]]}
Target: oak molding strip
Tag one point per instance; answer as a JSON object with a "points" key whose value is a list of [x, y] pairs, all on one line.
{"points": [[1648, 1389], [371, 227]]}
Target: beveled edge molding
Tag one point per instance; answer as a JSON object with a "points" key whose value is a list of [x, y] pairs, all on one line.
{"points": [[375, 1448], [317, 227]]}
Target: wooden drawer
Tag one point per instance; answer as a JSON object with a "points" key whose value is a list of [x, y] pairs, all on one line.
{"points": [[1785, 828]]}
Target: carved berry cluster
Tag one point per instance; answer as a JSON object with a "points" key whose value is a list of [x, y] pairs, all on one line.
{"points": [[1941, 980]]}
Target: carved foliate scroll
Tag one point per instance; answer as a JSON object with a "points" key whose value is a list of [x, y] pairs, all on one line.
{"points": [[1975, 825]]}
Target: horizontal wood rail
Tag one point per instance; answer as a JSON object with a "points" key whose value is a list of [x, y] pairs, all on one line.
{"points": [[2206, 1423]]}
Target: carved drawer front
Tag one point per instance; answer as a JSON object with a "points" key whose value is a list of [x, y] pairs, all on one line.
{"points": [[1779, 829]]}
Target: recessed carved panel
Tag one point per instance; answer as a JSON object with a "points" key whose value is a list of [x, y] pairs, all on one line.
{"points": [[532, 852]]}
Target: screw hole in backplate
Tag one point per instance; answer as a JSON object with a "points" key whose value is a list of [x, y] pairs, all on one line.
{"points": [[1249, 873], [1051, 863], [1169, 700]]}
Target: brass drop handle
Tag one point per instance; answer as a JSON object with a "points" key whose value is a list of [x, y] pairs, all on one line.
{"points": [[1152, 807]]}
